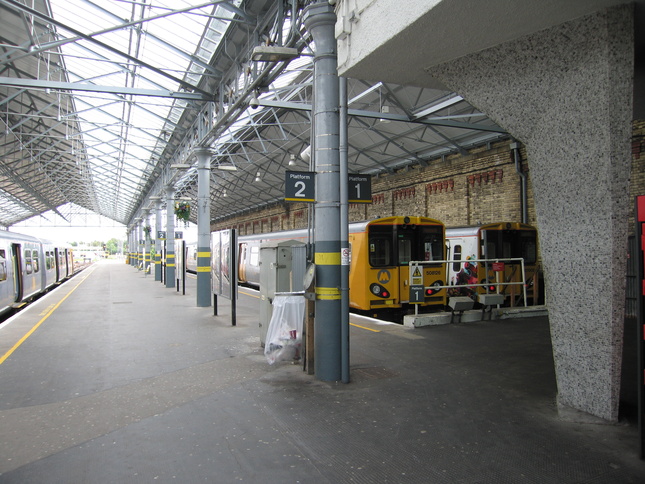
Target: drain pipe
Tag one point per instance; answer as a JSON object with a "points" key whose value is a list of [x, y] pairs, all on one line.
{"points": [[515, 148]]}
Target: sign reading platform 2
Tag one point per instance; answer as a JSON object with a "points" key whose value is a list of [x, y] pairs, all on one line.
{"points": [[300, 186]]}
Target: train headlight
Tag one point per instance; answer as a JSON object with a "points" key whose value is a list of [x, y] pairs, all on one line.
{"points": [[379, 291], [431, 291]]}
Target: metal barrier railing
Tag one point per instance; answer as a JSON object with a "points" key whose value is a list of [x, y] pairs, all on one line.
{"points": [[416, 275]]}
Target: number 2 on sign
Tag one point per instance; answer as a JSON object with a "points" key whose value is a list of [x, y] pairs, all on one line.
{"points": [[300, 186]]}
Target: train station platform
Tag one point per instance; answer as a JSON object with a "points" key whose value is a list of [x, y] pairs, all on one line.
{"points": [[114, 378]]}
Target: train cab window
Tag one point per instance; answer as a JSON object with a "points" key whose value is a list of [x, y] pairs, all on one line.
{"points": [[528, 246], [35, 263], [431, 245], [509, 244], [456, 256], [28, 267], [405, 250], [506, 249], [380, 251]]}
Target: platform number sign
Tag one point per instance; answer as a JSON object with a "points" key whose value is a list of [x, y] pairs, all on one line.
{"points": [[359, 189], [300, 186]]}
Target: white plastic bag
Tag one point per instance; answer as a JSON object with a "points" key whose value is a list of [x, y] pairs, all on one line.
{"points": [[284, 336]]}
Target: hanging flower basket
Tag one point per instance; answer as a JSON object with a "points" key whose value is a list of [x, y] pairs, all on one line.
{"points": [[146, 230], [182, 210]]}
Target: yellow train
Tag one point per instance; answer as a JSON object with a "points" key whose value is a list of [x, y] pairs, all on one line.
{"points": [[380, 251], [504, 242]]}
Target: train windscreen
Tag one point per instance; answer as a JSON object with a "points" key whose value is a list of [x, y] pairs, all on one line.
{"points": [[392, 245], [510, 244]]}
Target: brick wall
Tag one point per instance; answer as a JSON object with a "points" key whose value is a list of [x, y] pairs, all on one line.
{"points": [[480, 187]]}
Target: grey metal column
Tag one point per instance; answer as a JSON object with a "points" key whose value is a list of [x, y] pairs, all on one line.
{"points": [[203, 228], [145, 222], [319, 19], [170, 237], [133, 246], [344, 231], [158, 228], [129, 239], [139, 244]]}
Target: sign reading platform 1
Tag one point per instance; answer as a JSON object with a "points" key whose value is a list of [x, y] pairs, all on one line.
{"points": [[300, 186], [359, 189]]}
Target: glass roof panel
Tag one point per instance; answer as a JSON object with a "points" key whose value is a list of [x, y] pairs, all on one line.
{"points": [[114, 44]]}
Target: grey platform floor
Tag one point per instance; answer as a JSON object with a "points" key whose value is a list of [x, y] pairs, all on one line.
{"points": [[126, 381]]}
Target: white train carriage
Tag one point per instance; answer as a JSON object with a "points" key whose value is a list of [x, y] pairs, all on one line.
{"points": [[28, 267]]}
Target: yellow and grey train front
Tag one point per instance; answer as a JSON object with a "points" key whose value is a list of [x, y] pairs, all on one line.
{"points": [[499, 257], [381, 249]]}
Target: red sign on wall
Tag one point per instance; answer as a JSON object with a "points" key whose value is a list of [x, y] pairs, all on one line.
{"points": [[498, 266]]}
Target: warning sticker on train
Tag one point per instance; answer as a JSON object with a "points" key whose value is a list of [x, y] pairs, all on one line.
{"points": [[416, 276]]}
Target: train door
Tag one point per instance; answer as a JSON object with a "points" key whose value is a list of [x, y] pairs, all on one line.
{"points": [[16, 258], [242, 258], [69, 262], [381, 270], [430, 246], [404, 247], [57, 260]]}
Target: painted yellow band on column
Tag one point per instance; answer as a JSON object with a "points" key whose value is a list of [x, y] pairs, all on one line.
{"points": [[327, 293], [170, 256], [327, 258], [170, 265], [203, 254], [204, 269]]}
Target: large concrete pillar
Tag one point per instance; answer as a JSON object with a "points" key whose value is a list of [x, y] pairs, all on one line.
{"points": [[319, 19], [566, 93], [203, 228]]}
